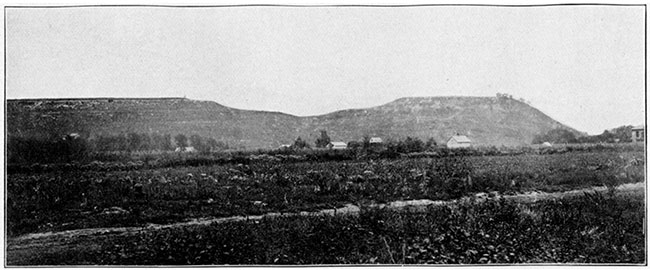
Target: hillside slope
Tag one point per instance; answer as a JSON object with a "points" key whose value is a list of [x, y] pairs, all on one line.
{"points": [[486, 120]]}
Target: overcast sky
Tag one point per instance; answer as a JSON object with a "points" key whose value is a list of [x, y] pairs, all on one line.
{"points": [[582, 65]]}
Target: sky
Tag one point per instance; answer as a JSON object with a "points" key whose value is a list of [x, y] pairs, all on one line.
{"points": [[582, 65]]}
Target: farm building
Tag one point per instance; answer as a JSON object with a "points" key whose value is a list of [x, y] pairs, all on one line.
{"points": [[377, 140], [337, 145], [284, 146], [638, 133], [190, 149], [459, 141], [71, 136]]}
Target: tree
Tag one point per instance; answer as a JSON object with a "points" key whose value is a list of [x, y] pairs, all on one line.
{"points": [[215, 145], [166, 142], [101, 143], [504, 96], [197, 142], [211, 144], [134, 141], [323, 141], [181, 141], [623, 133], [145, 142], [413, 145], [161, 142], [394, 147], [366, 142], [120, 143], [430, 143], [72, 147], [354, 145], [300, 144]]}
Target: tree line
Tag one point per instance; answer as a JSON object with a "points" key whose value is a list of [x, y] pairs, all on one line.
{"points": [[154, 142], [620, 134], [73, 147], [406, 145]]}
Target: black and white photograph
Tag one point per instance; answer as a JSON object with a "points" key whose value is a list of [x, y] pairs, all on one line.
{"points": [[362, 134]]}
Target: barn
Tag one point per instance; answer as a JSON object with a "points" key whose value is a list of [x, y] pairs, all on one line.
{"points": [[337, 145], [459, 141]]}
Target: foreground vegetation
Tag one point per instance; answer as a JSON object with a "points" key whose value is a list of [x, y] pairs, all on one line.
{"points": [[589, 228], [70, 199]]}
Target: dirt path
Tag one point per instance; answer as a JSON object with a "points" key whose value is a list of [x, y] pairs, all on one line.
{"points": [[21, 249]]}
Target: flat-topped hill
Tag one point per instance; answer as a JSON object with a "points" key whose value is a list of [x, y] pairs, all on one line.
{"points": [[486, 120]]}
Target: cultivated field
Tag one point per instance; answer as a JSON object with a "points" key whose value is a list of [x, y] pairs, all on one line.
{"points": [[605, 226]]}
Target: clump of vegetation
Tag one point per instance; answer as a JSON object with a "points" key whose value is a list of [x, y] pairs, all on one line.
{"points": [[300, 144], [557, 135], [323, 140], [622, 134], [53, 149]]}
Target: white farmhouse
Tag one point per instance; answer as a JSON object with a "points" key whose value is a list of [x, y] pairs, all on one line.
{"points": [[337, 145], [284, 146], [376, 140], [459, 141]]}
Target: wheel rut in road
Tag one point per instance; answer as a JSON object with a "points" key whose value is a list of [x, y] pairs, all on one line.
{"points": [[21, 248]]}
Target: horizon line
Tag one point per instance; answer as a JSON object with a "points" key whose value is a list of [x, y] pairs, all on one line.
{"points": [[330, 5]]}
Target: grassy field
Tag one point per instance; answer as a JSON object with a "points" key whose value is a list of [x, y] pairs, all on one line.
{"points": [[71, 199], [605, 227]]}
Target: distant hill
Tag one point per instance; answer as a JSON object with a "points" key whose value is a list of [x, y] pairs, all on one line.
{"points": [[485, 120]]}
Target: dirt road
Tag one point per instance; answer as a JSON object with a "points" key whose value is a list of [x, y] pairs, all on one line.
{"points": [[21, 250]]}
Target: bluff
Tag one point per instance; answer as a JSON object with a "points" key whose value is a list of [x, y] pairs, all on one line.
{"points": [[485, 120]]}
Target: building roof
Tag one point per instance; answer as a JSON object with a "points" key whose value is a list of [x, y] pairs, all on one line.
{"points": [[186, 149], [638, 128], [72, 136], [338, 144], [460, 139], [376, 140]]}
